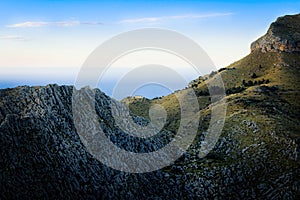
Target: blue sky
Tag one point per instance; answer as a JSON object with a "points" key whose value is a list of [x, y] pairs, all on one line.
{"points": [[47, 41]]}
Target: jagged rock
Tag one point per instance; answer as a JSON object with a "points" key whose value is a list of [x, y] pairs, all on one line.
{"points": [[42, 156], [256, 156], [283, 35]]}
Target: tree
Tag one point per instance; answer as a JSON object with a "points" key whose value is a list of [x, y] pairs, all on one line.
{"points": [[244, 82], [254, 75]]}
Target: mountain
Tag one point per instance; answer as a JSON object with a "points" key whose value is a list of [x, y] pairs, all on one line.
{"points": [[256, 156], [282, 36]]}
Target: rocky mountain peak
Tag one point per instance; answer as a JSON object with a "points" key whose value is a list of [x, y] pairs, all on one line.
{"points": [[43, 156], [282, 36]]}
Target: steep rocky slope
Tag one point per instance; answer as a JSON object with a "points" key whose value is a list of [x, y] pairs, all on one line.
{"points": [[283, 35], [257, 155]]}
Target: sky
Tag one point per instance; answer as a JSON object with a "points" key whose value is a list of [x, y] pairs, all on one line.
{"points": [[48, 41]]}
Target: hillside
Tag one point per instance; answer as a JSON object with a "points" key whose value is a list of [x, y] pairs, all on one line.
{"points": [[256, 156]]}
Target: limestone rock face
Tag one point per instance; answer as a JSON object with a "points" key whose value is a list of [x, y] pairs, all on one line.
{"points": [[42, 155], [282, 36]]}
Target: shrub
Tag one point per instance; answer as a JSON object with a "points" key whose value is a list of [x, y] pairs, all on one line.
{"points": [[254, 75], [235, 90], [222, 69]]}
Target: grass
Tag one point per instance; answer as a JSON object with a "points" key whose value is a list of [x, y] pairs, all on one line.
{"points": [[273, 107]]}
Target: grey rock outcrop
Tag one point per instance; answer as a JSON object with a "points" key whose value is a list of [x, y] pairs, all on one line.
{"points": [[256, 157], [282, 36], [42, 157]]}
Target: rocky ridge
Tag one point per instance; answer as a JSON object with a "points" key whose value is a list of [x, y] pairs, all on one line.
{"points": [[256, 157], [277, 40]]}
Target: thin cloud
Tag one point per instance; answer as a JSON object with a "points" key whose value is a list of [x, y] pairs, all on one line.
{"points": [[32, 24], [142, 20], [12, 37], [174, 17]]}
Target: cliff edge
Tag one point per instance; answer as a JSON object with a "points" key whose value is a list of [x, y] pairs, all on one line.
{"points": [[282, 36]]}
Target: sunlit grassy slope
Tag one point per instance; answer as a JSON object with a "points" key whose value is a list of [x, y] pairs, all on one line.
{"points": [[257, 77], [262, 95]]}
